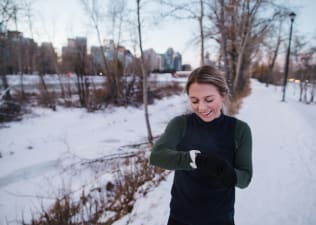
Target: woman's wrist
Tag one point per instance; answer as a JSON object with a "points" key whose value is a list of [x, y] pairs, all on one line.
{"points": [[193, 154]]}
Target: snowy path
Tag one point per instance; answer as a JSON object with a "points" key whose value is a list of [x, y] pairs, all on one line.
{"points": [[283, 189]]}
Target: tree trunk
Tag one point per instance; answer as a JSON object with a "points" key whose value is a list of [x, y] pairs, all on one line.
{"points": [[275, 55], [21, 69], [3, 65], [313, 90], [301, 91], [305, 91], [224, 43], [201, 32], [145, 93], [245, 31], [19, 51], [7, 95]]}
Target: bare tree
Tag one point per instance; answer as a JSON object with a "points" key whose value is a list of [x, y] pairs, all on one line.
{"points": [[301, 60], [12, 13], [223, 41], [272, 57], [117, 13], [192, 10], [112, 67], [240, 28], [308, 76], [28, 11], [7, 10], [9, 109], [144, 73], [95, 15], [271, 46], [19, 52]]}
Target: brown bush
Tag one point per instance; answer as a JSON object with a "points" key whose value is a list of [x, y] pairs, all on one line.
{"points": [[107, 203], [10, 111], [167, 90], [234, 103]]}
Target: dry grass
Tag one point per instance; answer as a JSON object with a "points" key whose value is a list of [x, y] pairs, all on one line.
{"points": [[109, 202], [234, 104]]}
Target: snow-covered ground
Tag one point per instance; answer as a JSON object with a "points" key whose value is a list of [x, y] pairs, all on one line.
{"points": [[36, 151], [283, 190], [32, 82]]}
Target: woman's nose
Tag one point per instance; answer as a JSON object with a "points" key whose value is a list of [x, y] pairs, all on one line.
{"points": [[202, 106]]}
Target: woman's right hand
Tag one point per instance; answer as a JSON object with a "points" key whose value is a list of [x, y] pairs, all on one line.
{"points": [[215, 166]]}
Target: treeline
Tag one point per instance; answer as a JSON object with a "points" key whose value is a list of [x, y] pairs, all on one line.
{"points": [[302, 72]]}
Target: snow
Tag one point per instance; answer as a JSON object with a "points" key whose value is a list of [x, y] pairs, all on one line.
{"points": [[284, 185], [283, 188], [37, 149]]}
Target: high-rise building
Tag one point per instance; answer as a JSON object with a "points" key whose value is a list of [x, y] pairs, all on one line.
{"points": [[74, 55], [18, 53], [168, 61], [46, 59], [177, 61], [152, 60]]}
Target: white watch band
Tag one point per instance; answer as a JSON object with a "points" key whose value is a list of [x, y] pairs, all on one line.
{"points": [[193, 157]]}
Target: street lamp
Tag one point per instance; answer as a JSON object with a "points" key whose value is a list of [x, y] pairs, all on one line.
{"points": [[292, 16]]}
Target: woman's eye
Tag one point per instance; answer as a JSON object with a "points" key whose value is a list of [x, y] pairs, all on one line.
{"points": [[194, 102], [209, 100]]}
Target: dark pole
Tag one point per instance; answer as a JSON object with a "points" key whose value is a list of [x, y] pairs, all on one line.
{"points": [[292, 16]]}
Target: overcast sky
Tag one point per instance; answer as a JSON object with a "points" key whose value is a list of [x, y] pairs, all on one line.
{"points": [[56, 20]]}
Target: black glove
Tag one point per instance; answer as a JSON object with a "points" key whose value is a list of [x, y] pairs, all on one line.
{"points": [[217, 167]]}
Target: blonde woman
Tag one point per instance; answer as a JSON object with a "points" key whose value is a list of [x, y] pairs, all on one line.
{"points": [[210, 153]]}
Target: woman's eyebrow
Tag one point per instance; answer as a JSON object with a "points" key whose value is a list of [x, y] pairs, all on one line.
{"points": [[202, 97]]}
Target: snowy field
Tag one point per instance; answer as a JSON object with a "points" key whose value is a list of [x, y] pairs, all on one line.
{"points": [[36, 151]]}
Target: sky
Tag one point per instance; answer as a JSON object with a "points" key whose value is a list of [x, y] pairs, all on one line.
{"points": [[56, 20]]}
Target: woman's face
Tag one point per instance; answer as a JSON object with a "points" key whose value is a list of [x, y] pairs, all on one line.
{"points": [[205, 101]]}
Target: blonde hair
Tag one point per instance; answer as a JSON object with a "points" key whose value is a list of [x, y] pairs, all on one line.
{"points": [[208, 75]]}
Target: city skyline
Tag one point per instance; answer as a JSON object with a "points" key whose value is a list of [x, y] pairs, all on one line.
{"points": [[26, 56], [56, 20]]}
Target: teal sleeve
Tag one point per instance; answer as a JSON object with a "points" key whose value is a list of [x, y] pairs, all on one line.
{"points": [[164, 153], [243, 154]]}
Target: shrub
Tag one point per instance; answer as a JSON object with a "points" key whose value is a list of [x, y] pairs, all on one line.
{"points": [[109, 202]]}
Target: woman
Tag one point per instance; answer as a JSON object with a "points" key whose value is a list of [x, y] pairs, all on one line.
{"points": [[209, 151]]}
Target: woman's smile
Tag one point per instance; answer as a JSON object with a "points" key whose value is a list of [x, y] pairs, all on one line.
{"points": [[206, 101]]}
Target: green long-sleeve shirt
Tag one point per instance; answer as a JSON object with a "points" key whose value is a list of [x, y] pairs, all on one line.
{"points": [[165, 155]]}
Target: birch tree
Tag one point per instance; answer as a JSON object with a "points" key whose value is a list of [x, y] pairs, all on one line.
{"points": [[144, 72]]}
